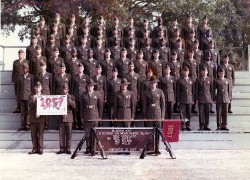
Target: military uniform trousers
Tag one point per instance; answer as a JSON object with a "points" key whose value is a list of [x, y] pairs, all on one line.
{"points": [[77, 124], [185, 114], [37, 133], [169, 110], [221, 110], [124, 111], [25, 123], [204, 110], [65, 135], [90, 140], [155, 113]]}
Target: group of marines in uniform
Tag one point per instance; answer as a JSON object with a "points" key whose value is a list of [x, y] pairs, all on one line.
{"points": [[123, 72]]}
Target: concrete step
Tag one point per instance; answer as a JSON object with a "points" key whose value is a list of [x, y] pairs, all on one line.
{"points": [[7, 91], [213, 141], [12, 121], [241, 103], [241, 89], [243, 96], [22, 140], [242, 81], [187, 140], [8, 102], [242, 74], [5, 77], [241, 110], [236, 122]]}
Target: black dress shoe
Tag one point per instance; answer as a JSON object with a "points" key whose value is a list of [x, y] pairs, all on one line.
{"points": [[68, 152], [183, 129], [224, 129], [158, 152], [176, 111], [201, 129], [194, 111], [40, 152], [46, 128], [230, 111], [16, 111], [21, 129], [32, 152], [60, 152], [207, 129], [86, 152], [211, 111], [188, 129], [26, 129]]}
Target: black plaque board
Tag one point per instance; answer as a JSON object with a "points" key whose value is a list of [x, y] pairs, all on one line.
{"points": [[125, 139]]}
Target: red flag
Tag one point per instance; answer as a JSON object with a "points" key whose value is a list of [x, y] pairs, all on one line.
{"points": [[171, 130]]}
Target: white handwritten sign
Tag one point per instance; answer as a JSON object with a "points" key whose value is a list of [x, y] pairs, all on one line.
{"points": [[52, 105]]}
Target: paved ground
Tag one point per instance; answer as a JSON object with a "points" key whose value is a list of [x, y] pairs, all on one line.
{"points": [[190, 164]]}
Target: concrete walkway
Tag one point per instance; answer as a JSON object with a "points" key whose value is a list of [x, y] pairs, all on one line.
{"points": [[190, 164]]}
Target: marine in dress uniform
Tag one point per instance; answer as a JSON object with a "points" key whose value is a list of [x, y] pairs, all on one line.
{"points": [[113, 86], [73, 25], [141, 66], [181, 53], [25, 88], [124, 105], [185, 96], [82, 49], [72, 63], [202, 28], [167, 84], [79, 85], [222, 99], [130, 25], [193, 67], [160, 27], [36, 62], [135, 82], [175, 71], [17, 70], [61, 28], [188, 26], [85, 34], [99, 50], [41, 40], [65, 49], [107, 64], [46, 80], [90, 64], [91, 109], [44, 29], [204, 97], [50, 47], [229, 74], [100, 83], [156, 64], [58, 36], [132, 51], [153, 107], [54, 63], [198, 54], [31, 49], [147, 50], [60, 79], [65, 123], [36, 122], [122, 64], [116, 49]]}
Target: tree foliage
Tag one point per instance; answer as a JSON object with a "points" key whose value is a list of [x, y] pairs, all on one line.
{"points": [[229, 19]]}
